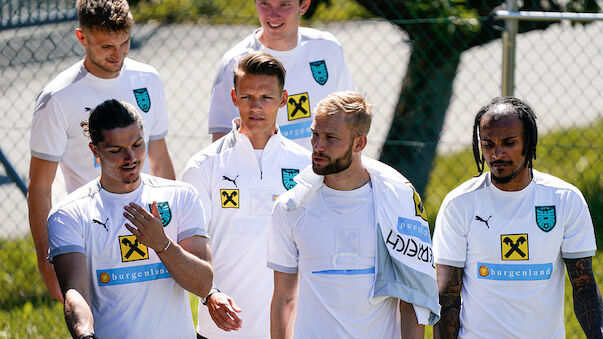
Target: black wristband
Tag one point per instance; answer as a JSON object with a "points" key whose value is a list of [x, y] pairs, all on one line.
{"points": [[212, 291], [88, 335]]}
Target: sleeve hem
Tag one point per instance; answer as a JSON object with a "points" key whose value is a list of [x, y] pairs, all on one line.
{"points": [[453, 263], [158, 136], [44, 156], [65, 249], [280, 268], [578, 255], [191, 233]]}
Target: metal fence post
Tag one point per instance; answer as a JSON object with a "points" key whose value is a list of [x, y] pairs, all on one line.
{"points": [[508, 38]]}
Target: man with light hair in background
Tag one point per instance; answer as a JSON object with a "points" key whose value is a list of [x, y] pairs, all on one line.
{"points": [[350, 244], [313, 59], [56, 137]]}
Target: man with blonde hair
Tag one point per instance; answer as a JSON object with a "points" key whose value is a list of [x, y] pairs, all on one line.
{"points": [[352, 238]]}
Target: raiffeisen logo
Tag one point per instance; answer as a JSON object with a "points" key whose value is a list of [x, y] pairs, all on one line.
{"points": [[514, 271], [129, 275]]}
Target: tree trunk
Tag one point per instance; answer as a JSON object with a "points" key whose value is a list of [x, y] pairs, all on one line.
{"points": [[419, 116]]}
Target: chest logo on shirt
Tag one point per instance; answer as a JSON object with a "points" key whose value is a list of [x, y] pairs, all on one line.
{"points": [[143, 99], [319, 71], [298, 106], [514, 246], [546, 218], [131, 249], [230, 198], [287, 174], [234, 181], [104, 224], [164, 212]]}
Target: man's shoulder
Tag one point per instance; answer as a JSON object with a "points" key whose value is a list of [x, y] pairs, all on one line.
{"points": [[62, 82], [312, 34], [136, 67], [548, 181], [81, 196], [471, 186], [243, 47], [213, 151], [294, 149], [153, 182]]}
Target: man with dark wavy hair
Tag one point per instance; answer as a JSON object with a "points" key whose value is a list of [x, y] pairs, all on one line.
{"points": [[128, 247], [56, 138]]}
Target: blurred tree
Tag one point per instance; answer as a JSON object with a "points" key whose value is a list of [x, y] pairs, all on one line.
{"points": [[439, 31]]}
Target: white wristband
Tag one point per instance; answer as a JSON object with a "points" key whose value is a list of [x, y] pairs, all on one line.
{"points": [[165, 248]]}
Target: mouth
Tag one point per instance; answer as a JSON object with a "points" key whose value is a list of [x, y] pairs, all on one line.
{"points": [[129, 168], [317, 158], [256, 118], [275, 26], [499, 165]]}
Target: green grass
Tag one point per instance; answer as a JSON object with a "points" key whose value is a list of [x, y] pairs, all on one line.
{"points": [[26, 310]]}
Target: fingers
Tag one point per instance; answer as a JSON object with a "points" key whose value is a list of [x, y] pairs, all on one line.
{"points": [[234, 306], [155, 209], [224, 315]]}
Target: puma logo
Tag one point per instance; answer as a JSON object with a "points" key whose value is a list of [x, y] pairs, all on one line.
{"points": [[478, 218], [234, 181], [101, 223]]}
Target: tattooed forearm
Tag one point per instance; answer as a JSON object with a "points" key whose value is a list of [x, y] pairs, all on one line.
{"points": [[450, 281], [587, 297]]}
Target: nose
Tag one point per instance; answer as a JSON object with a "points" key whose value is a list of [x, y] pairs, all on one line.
{"points": [[117, 53], [319, 144], [255, 104], [498, 152], [129, 155]]}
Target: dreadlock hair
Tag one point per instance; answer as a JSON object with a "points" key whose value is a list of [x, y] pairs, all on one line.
{"points": [[530, 131]]}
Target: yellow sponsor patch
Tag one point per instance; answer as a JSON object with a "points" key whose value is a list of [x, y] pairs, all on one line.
{"points": [[514, 246], [298, 106], [230, 198], [420, 210], [131, 249]]}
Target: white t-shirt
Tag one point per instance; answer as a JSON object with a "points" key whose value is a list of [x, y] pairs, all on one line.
{"points": [[237, 193], [511, 246], [56, 134], [330, 240], [131, 291], [315, 68]]}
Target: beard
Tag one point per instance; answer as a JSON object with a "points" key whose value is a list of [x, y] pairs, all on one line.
{"points": [[507, 179], [335, 166]]}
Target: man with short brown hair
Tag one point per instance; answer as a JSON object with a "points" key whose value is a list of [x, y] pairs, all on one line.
{"points": [[56, 138]]}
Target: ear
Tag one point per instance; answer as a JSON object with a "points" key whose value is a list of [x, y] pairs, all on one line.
{"points": [[284, 96], [93, 149], [303, 7], [360, 143], [233, 95], [81, 37]]}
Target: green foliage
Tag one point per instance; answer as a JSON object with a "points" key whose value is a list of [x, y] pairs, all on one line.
{"points": [[573, 155], [234, 11]]}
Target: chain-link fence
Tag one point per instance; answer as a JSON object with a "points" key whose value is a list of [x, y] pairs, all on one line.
{"points": [[559, 73]]}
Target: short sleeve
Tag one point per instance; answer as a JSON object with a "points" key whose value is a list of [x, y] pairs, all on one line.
{"points": [[221, 109], [65, 234], [192, 220], [159, 129], [449, 237], [578, 235], [283, 255], [48, 135]]}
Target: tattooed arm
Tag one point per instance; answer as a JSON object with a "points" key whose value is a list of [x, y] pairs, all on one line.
{"points": [[450, 281], [587, 297]]}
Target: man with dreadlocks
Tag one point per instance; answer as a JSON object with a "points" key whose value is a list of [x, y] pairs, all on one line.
{"points": [[502, 240]]}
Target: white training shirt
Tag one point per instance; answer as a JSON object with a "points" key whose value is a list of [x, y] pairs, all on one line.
{"points": [[330, 240], [315, 68], [511, 246], [131, 291], [237, 193], [56, 134]]}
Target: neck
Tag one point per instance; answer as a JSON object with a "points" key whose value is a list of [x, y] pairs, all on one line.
{"points": [[521, 181], [278, 45], [120, 188], [349, 179], [258, 139]]}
